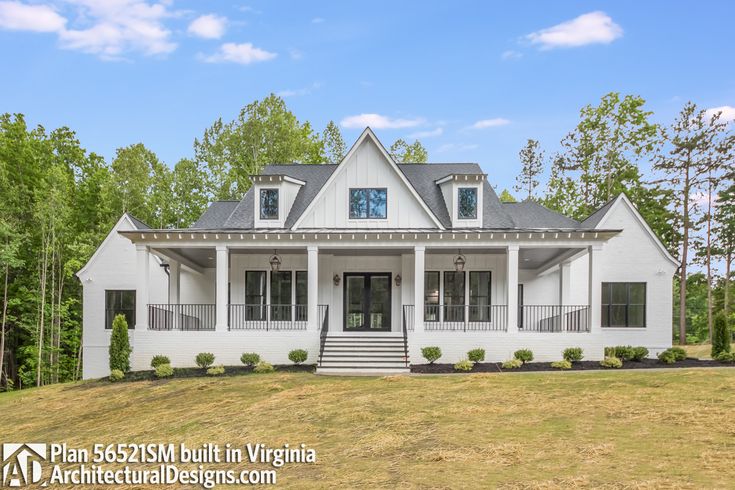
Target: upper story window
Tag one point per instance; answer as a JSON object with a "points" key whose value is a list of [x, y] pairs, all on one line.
{"points": [[368, 203], [467, 203], [269, 204]]}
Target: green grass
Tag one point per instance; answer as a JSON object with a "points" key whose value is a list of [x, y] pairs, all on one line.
{"points": [[701, 351], [535, 430]]}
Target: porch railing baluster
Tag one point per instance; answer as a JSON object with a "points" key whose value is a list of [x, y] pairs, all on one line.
{"points": [[553, 318]]}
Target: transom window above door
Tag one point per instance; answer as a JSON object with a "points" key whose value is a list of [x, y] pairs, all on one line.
{"points": [[368, 203]]}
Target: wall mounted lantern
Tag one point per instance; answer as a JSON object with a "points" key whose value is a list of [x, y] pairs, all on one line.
{"points": [[336, 279], [398, 279]]}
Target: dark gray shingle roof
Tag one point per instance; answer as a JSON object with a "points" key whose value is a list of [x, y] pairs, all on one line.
{"points": [[216, 215], [594, 219], [530, 214], [138, 223]]}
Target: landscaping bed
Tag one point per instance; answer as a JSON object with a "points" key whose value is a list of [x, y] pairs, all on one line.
{"points": [[196, 372], [495, 367]]}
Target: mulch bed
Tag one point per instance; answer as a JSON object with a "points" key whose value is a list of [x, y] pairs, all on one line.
{"points": [[195, 372], [496, 367]]}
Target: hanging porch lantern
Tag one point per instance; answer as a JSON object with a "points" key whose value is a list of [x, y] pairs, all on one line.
{"points": [[459, 262], [275, 262]]}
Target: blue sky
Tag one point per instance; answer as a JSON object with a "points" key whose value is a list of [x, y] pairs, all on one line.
{"points": [[473, 80]]}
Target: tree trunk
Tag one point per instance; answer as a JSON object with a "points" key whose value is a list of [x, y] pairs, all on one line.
{"points": [[683, 265], [2, 328], [709, 258], [728, 266], [42, 318]]}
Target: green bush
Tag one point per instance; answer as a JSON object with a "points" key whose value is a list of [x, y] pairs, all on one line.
{"points": [[639, 353], [609, 351], [250, 358], [725, 357], [164, 371], [512, 364], [721, 335], [264, 367], [216, 370], [611, 362], [119, 345], [297, 356], [476, 355], [116, 375], [158, 360], [204, 359], [464, 365], [679, 353], [573, 354], [667, 356], [431, 353], [523, 355], [623, 352], [564, 364]]}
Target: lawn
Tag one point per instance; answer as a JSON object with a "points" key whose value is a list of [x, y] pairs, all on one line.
{"points": [[701, 351], [611, 429]]}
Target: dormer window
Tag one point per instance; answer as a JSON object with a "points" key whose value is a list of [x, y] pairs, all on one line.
{"points": [[368, 203], [467, 203], [269, 204]]}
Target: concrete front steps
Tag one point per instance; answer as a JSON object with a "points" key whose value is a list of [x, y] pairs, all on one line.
{"points": [[363, 355]]}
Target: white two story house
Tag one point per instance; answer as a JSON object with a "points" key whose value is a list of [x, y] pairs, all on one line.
{"points": [[365, 262]]}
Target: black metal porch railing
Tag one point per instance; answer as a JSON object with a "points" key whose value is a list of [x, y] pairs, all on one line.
{"points": [[553, 318], [466, 318], [181, 316], [408, 320], [323, 312], [268, 317]]}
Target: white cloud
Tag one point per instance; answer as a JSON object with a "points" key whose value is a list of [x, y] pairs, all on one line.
{"points": [[490, 123], [244, 54], [433, 133], [295, 54], [592, 28], [208, 26], [511, 55], [377, 121], [317, 20], [728, 112], [456, 147], [37, 18], [299, 91]]}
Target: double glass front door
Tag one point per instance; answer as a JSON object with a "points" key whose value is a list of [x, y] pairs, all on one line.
{"points": [[367, 301]]}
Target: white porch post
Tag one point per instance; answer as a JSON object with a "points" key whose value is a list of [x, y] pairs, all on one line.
{"points": [[221, 283], [312, 268], [174, 278], [512, 280], [418, 287], [565, 282], [141, 291], [594, 287]]}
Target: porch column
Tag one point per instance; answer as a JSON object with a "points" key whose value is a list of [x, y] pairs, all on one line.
{"points": [[174, 278], [312, 268], [512, 281], [221, 286], [418, 288], [594, 287], [141, 290], [565, 282]]}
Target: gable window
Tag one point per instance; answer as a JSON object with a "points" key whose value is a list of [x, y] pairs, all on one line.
{"points": [[467, 205], [368, 203], [269, 204], [623, 304], [120, 302]]}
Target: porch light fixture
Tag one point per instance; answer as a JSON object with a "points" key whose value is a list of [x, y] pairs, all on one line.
{"points": [[398, 279], [336, 279], [459, 262], [275, 262]]}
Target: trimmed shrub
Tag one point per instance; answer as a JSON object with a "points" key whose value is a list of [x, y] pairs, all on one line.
{"points": [[623, 352], [512, 364], [250, 358], [609, 351], [464, 365], [264, 367], [721, 335], [667, 356], [573, 354], [204, 359], [116, 375], [725, 357], [431, 353], [638, 354], [523, 355], [476, 355], [164, 371], [297, 356], [679, 353], [216, 370], [611, 362], [158, 360], [119, 345], [564, 364]]}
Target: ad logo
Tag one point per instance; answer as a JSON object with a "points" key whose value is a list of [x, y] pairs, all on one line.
{"points": [[22, 464]]}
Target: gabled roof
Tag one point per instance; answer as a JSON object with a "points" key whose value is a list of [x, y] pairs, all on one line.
{"points": [[530, 214], [594, 219], [216, 214], [134, 222]]}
